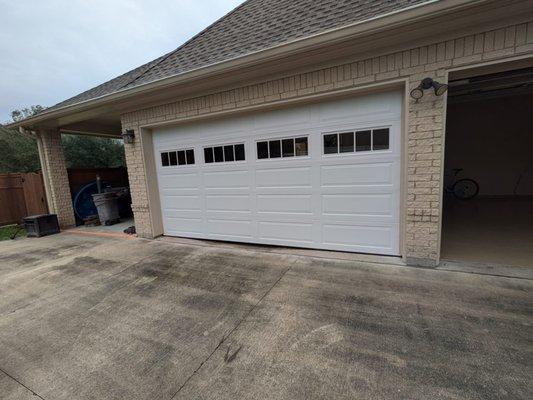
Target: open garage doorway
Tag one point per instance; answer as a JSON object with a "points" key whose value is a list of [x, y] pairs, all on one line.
{"points": [[488, 196]]}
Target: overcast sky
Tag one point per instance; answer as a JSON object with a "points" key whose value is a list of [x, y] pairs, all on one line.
{"points": [[54, 49]]}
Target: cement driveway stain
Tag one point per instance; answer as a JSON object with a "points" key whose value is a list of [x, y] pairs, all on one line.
{"points": [[105, 318]]}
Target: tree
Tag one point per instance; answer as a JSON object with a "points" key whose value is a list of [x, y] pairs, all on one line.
{"points": [[92, 152], [18, 115], [19, 153]]}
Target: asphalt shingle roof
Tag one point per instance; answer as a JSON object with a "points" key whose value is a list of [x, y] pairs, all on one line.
{"points": [[254, 25]]}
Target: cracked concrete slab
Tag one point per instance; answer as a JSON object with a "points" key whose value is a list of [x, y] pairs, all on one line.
{"points": [[13, 390], [332, 331], [92, 318]]}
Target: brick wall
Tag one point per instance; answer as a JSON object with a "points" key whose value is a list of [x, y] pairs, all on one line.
{"points": [[55, 172], [426, 118], [138, 184]]}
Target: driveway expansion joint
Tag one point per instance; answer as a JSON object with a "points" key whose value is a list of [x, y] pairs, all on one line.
{"points": [[21, 384], [237, 325]]}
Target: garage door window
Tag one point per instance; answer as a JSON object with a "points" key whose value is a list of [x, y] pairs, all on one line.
{"points": [[358, 141], [380, 139], [179, 157], [282, 148], [226, 153], [363, 141]]}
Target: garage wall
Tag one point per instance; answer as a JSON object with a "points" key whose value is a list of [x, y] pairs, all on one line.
{"points": [[426, 119], [493, 141]]}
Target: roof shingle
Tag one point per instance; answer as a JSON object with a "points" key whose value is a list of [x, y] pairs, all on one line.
{"points": [[254, 25]]}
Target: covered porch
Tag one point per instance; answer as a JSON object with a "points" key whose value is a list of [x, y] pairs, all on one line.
{"points": [[63, 190]]}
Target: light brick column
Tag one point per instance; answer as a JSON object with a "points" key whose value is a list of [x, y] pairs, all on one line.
{"points": [[135, 164], [56, 177], [424, 170]]}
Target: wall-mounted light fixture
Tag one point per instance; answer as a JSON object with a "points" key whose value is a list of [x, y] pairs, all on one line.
{"points": [[128, 136], [428, 83]]}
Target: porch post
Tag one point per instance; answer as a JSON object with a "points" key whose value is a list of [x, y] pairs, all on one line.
{"points": [[55, 176]]}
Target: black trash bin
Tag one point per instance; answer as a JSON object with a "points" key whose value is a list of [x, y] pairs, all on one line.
{"points": [[41, 225]]}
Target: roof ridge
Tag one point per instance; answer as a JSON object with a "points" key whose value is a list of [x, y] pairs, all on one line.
{"points": [[164, 57]]}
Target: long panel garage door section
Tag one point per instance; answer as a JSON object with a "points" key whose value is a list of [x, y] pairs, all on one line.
{"points": [[323, 176]]}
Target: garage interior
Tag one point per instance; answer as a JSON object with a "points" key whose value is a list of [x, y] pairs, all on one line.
{"points": [[489, 137]]}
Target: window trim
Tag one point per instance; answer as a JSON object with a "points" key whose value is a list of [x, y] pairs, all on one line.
{"points": [[185, 149], [212, 146], [281, 139], [338, 132]]}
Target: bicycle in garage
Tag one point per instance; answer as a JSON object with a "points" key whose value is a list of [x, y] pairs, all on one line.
{"points": [[462, 189]]}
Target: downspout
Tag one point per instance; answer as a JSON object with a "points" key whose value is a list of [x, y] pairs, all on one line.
{"points": [[44, 170]]}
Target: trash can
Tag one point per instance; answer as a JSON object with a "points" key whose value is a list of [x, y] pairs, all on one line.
{"points": [[107, 207], [41, 225]]}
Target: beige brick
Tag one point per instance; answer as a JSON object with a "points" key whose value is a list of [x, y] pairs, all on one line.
{"points": [[55, 172]]}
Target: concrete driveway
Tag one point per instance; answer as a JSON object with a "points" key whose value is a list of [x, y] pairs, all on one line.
{"points": [[85, 317]]}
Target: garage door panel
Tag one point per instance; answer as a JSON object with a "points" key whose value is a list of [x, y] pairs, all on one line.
{"points": [[363, 109], [281, 120], [230, 228], [227, 179], [359, 190], [182, 202], [345, 201], [287, 219], [285, 203], [281, 232], [180, 181], [228, 215], [357, 174], [183, 226], [377, 237], [357, 204], [240, 203], [183, 213], [180, 192], [357, 220], [290, 177]]}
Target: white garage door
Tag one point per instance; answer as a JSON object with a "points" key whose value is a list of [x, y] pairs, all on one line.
{"points": [[324, 176]]}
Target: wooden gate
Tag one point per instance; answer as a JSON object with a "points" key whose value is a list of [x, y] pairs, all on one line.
{"points": [[21, 195]]}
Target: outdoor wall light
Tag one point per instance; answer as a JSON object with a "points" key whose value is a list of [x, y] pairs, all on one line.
{"points": [[128, 136], [428, 83]]}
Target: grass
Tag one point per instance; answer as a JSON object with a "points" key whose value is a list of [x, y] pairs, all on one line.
{"points": [[7, 231]]}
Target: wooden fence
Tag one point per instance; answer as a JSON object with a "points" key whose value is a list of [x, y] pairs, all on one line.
{"points": [[79, 177], [21, 195]]}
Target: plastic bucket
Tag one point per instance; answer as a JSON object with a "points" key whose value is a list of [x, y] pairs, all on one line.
{"points": [[107, 207]]}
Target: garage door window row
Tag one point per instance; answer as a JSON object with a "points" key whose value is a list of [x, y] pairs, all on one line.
{"points": [[278, 148], [350, 142], [226, 153], [179, 157]]}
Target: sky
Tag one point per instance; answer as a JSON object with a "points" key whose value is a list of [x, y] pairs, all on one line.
{"points": [[52, 50]]}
